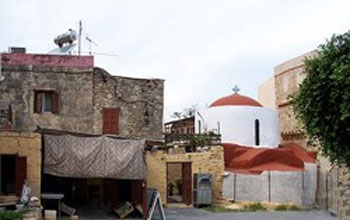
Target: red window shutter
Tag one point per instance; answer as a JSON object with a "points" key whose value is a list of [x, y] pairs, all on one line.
{"points": [[55, 103], [106, 122], [21, 174], [38, 102], [111, 120]]}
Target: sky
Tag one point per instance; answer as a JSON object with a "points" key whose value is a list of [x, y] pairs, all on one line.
{"points": [[201, 48]]}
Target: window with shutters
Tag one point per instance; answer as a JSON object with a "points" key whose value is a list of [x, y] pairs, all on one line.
{"points": [[111, 120], [46, 101]]}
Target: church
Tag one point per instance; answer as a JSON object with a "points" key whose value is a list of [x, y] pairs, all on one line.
{"points": [[257, 166]]}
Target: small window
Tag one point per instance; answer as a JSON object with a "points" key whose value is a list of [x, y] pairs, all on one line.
{"points": [[46, 101], [5, 114], [257, 132]]}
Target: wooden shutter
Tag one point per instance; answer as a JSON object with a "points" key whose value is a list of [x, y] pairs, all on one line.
{"points": [[55, 103], [111, 120], [38, 102], [21, 174], [187, 183]]}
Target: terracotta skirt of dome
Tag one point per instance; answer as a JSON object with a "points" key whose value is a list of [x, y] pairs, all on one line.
{"points": [[241, 159]]}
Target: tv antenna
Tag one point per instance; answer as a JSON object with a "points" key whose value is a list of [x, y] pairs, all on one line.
{"points": [[90, 42]]}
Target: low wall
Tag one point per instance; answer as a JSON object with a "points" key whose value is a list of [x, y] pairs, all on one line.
{"points": [[333, 192], [205, 162], [29, 146], [274, 186]]}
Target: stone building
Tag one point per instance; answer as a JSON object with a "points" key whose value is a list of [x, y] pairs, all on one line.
{"points": [[69, 93], [44, 98], [163, 168], [288, 76], [333, 182]]}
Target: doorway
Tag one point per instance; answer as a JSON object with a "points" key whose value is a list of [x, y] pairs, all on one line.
{"points": [[95, 198], [179, 182]]}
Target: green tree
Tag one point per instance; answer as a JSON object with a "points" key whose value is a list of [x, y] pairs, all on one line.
{"points": [[322, 103]]}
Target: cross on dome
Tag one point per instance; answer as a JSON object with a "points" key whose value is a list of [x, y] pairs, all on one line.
{"points": [[235, 89]]}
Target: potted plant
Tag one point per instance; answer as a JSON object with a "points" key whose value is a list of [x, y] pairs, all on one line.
{"points": [[178, 183], [170, 189], [11, 215]]}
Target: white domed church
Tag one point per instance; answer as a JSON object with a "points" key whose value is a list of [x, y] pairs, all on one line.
{"points": [[240, 120], [257, 166]]}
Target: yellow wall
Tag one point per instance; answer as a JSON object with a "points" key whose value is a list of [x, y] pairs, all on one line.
{"points": [[28, 145], [205, 162], [266, 93]]}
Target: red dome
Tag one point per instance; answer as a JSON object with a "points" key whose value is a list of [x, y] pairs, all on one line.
{"points": [[236, 99]]}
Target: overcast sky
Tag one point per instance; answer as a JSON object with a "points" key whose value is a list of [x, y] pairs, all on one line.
{"points": [[202, 48]]}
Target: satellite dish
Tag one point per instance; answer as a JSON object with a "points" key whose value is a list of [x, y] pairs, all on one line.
{"points": [[66, 38], [65, 50]]}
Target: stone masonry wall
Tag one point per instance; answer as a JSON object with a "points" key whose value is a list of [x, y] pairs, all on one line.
{"points": [[140, 102], [288, 76], [83, 93], [28, 145], [73, 85], [205, 162]]}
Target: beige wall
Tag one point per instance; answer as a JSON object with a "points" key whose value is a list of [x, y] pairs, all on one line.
{"points": [[266, 93], [28, 145], [205, 162], [288, 76]]}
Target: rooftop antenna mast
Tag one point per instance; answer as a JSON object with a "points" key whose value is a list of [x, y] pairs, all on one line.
{"points": [[79, 37], [90, 42]]}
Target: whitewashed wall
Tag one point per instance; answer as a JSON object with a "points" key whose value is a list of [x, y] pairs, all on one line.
{"points": [[237, 124], [281, 187]]}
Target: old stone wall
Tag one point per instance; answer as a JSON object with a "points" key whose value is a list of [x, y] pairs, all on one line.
{"points": [[140, 102], [334, 189], [83, 93], [205, 162], [28, 145], [73, 85], [288, 76]]}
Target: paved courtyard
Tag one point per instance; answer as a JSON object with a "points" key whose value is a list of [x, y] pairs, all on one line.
{"points": [[175, 213], [199, 214]]}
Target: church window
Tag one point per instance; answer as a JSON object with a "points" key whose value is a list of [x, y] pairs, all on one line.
{"points": [[257, 132]]}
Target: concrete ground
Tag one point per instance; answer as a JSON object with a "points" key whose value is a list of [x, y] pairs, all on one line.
{"points": [[200, 214]]}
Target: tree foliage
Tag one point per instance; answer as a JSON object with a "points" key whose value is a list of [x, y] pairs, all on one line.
{"points": [[323, 101], [186, 113]]}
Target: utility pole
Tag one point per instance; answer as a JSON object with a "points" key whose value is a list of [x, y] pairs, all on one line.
{"points": [[79, 37]]}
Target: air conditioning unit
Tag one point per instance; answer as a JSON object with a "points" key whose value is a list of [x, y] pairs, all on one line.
{"points": [[17, 50]]}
